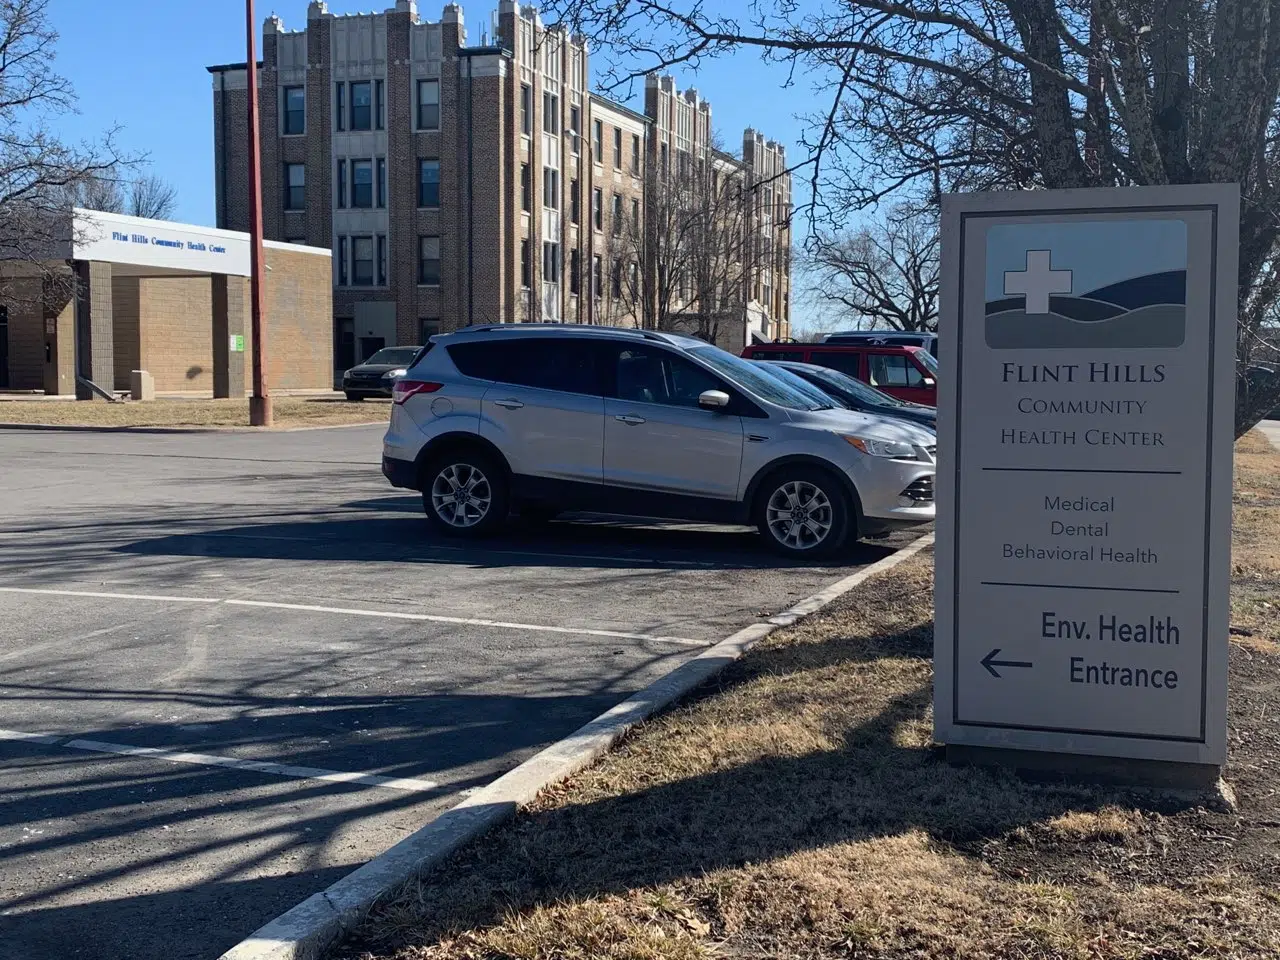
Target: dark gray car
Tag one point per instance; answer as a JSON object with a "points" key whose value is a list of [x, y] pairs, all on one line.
{"points": [[856, 395], [376, 376]]}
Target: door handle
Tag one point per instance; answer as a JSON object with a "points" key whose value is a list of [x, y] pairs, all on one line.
{"points": [[509, 404], [630, 418]]}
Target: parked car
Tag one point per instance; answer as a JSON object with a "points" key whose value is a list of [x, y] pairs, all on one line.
{"points": [[375, 376], [906, 372], [856, 395], [896, 338], [552, 418]]}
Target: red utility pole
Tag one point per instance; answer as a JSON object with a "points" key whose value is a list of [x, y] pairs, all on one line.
{"points": [[260, 402]]}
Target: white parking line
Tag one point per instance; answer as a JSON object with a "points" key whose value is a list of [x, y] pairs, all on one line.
{"points": [[407, 784], [354, 612]]}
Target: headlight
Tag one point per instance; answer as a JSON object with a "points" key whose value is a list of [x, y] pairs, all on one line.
{"points": [[392, 374], [890, 449]]}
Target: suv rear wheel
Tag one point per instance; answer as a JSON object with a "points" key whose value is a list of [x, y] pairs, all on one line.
{"points": [[465, 494], [803, 512]]}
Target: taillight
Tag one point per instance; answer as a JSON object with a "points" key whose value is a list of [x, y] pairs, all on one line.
{"points": [[402, 390]]}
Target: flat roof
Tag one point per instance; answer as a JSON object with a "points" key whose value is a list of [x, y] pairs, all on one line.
{"points": [[621, 108], [227, 67]]}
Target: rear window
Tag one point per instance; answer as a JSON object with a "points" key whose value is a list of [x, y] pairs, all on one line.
{"points": [[567, 364]]}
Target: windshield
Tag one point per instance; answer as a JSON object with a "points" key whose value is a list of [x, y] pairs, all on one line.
{"points": [[813, 392], [751, 378], [863, 391], [399, 356], [927, 361]]}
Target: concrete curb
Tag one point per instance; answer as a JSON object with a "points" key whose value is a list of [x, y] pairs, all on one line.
{"points": [[307, 930]]}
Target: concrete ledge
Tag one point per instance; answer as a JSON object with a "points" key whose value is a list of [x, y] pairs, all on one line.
{"points": [[307, 930], [1116, 771]]}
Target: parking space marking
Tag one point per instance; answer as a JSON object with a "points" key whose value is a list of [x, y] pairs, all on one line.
{"points": [[407, 784], [354, 612]]}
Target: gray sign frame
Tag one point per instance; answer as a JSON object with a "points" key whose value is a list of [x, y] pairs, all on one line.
{"points": [[1212, 213]]}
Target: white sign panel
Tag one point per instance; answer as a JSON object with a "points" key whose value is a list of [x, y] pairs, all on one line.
{"points": [[115, 238], [1084, 501]]}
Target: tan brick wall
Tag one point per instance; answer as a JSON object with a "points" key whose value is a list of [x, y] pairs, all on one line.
{"points": [[299, 308], [125, 315], [176, 332]]}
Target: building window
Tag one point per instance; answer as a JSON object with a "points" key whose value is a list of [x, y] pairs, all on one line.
{"points": [[597, 276], [526, 202], [362, 105], [428, 183], [429, 261], [342, 261], [550, 113], [526, 109], [617, 148], [428, 327], [574, 204], [575, 271], [295, 111], [575, 129], [382, 259], [550, 188], [379, 105], [635, 155], [615, 279], [550, 263], [616, 219], [362, 184], [524, 264], [666, 159], [633, 274], [597, 208], [295, 178], [342, 184], [635, 216], [362, 261], [597, 141], [382, 182], [340, 105], [428, 104]]}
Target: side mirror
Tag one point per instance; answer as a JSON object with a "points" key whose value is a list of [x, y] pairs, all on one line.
{"points": [[930, 382], [713, 400]]}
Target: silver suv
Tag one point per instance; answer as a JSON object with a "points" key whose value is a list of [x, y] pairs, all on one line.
{"points": [[540, 419]]}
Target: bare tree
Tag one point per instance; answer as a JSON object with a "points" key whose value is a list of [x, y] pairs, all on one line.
{"points": [[883, 275], [37, 169], [153, 197], [933, 96]]}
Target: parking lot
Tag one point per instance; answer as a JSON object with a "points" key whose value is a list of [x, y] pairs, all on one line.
{"points": [[234, 666]]}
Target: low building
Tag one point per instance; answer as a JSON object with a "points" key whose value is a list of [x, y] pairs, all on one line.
{"points": [[168, 298], [460, 184]]}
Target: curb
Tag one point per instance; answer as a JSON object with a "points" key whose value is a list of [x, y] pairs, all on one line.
{"points": [[308, 929]]}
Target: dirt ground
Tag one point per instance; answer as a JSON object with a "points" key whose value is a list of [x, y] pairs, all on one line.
{"points": [[799, 809], [289, 412]]}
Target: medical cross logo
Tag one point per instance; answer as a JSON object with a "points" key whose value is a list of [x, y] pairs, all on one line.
{"points": [[1086, 284]]}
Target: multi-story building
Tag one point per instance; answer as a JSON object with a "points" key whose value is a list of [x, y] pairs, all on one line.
{"points": [[462, 184]]}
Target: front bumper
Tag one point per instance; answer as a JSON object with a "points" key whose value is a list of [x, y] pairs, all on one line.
{"points": [[896, 493], [400, 473], [370, 388]]}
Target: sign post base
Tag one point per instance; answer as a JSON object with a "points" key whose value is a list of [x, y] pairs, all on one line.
{"points": [[1117, 771]]}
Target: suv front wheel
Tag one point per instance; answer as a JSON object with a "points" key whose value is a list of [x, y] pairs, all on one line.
{"points": [[465, 494], [803, 512]]}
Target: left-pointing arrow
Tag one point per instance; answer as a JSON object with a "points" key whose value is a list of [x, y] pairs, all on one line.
{"points": [[990, 662]]}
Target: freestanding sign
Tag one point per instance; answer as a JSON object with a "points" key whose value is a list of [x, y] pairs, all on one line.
{"points": [[1084, 492]]}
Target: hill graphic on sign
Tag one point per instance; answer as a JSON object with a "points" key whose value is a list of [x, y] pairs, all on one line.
{"points": [[1147, 311]]}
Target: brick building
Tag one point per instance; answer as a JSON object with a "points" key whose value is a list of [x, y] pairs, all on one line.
{"points": [[461, 184]]}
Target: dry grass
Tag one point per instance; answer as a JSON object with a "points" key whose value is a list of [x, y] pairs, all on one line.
{"points": [[1255, 568], [289, 412], [799, 810]]}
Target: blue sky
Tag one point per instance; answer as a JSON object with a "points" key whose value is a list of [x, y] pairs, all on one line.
{"points": [[142, 66]]}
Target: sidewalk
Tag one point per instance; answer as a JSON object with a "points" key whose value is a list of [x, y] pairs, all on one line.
{"points": [[1271, 430], [799, 809]]}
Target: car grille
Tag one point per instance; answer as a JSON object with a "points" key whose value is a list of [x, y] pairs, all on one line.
{"points": [[920, 490]]}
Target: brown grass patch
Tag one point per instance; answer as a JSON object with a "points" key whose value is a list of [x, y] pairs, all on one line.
{"points": [[798, 809], [289, 412]]}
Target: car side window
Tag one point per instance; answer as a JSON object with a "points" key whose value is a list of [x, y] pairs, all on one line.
{"points": [[567, 364], [893, 370], [648, 375], [845, 361], [795, 356]]}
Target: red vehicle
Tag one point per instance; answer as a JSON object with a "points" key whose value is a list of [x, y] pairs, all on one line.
{"points": [[909, 373]]}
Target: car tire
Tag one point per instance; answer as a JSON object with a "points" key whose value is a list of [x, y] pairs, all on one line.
{"points": [[354, 397], [481, 482], [804, 512]]}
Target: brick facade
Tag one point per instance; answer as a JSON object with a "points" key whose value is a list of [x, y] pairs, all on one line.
{"points": [[481, 146]]}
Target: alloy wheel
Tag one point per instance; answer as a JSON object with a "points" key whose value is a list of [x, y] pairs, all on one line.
{"points": [[461, 495], [799, 515]]}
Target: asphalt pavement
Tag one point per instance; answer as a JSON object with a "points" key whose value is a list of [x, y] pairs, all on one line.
{"points": [[234, 666]]}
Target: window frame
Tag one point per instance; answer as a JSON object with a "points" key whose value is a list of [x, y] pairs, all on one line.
{"points": [[424, 164], [526, 266], [617, 148], [422, 107], [526, 188], [575, 129], [356, 259], [526, 110], [380, 182], [550, 113], [550, 262], [286, 112], [355, 127], [344, 272], [342, 183], [340, 106], [616, 215], [379, 104], [290, 203], [597, 209], [550, 188], [635, 154], [575, 203], [356, 165], [424, 274], [575, 272], [597, 141]]}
